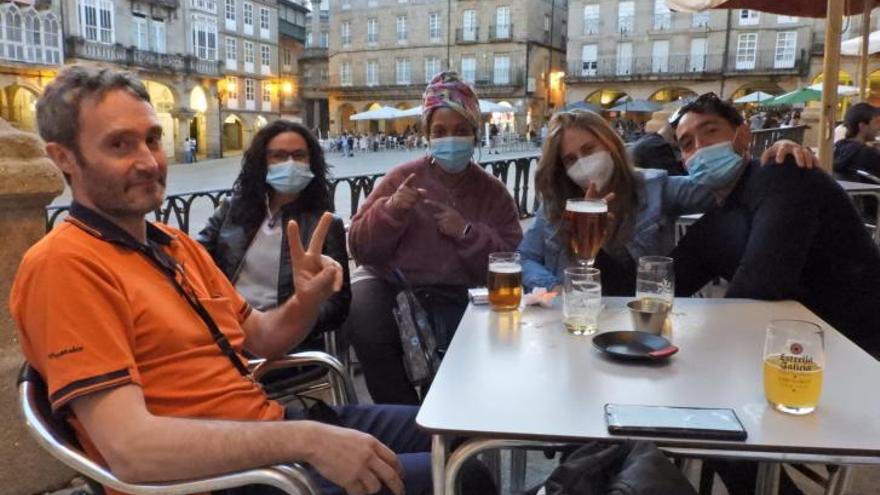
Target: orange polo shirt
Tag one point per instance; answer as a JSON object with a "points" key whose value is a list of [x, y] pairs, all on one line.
{"points": [[93, 313]]}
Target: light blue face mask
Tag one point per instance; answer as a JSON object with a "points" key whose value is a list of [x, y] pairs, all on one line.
{"points": [[452, 153], [289, 177], [715, 167]]}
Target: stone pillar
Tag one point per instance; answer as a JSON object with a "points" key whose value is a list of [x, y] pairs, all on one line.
{"points": [[182, 118], [28, 182], [810, 117]]}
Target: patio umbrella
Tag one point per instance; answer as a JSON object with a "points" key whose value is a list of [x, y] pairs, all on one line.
{"points": [[487, 106], [802, 8], [842, 89], [801, 95], [583, 105], [756, 97], [643, 106], [380, 113], [410, 112]]}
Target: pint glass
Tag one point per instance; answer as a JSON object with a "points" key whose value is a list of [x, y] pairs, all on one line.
{"points": [[505, 281], [794, 359], [581, 300], [587, 220]]}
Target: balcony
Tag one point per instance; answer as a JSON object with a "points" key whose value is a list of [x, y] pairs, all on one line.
{"points": [[765, 62], [313, 52], [470, 35], [501, 32], [133, 57], [290, 30], [168, 4], [662, 22], [489, 78]]}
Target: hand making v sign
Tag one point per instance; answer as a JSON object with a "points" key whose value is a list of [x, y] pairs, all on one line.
{"points": [[315, 276]]}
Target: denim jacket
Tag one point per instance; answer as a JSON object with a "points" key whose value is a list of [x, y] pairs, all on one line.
{"points": [[662, 199]]}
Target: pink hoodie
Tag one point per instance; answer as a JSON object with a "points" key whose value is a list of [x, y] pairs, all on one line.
{"points": [[382, 237]]}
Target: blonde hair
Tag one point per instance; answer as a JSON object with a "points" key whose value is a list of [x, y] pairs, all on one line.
{"points": [[555, 187]]}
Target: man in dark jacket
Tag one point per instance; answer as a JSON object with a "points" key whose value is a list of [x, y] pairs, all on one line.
{"points": [[852, 154], [658, 150], [779, 232]]}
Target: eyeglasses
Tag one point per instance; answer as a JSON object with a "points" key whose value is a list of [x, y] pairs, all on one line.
{"points": [[278, 156], [709, 98]]}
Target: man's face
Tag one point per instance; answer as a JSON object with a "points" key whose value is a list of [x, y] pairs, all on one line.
{"points": [[872, 129], [121, 168], [698, 130]]}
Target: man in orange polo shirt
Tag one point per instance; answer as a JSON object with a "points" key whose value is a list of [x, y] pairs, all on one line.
{"points": [[140, 336]]}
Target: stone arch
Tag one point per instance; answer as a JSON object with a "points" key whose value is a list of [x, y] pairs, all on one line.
{"points": [[843, 102], [198, 124], [233, 133], [259, 123], [344, 113], [843, 78], [606, 97], [671, 93], [21, 106], [165, 102], [752, 86]]}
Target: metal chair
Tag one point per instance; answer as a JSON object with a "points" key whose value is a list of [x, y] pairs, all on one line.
{"points": [[56, 437]]}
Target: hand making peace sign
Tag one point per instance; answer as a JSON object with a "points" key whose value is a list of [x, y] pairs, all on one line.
{"points": [[315, 276]]}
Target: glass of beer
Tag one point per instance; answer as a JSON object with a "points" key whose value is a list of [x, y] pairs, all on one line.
{"points": [[504, 281], [587, 221], [656, 279], [581, 300], [794, 359]]}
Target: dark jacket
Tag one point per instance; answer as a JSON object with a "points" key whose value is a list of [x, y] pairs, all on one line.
{"points": [[652, 151], [851, 155], [228, 241], [789, 233]]}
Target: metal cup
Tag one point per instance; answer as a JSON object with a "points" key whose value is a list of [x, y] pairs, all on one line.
{"points": [[648, 314]]}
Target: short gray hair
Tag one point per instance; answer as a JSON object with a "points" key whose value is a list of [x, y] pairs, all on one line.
{"points": [[58, 108]]}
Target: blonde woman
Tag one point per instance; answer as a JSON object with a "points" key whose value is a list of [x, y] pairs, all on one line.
{"points": [[583, 155]]}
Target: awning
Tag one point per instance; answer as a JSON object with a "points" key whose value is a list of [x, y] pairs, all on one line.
{"points": [[800, 8], [853, 47], [643, 106], [381, 113], [756, 97]]}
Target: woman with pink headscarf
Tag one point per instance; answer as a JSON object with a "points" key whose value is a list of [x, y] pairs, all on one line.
{"points": [[430, 223]]}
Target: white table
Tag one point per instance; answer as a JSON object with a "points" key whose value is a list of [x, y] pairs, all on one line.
{"points": [[517, 378]]}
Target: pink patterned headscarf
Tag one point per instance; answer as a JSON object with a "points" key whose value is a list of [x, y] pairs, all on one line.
{"points": [[447, 90]]}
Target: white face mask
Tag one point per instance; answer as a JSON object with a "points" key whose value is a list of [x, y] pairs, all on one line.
{"points": [[596, 168]]}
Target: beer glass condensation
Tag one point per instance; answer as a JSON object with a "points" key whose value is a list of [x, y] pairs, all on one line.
{"points": [[587, 221], [794, 362], [504, 281]]}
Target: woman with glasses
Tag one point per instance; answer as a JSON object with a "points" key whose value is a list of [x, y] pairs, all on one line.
{"points": [[283, 177], [429, 224]]}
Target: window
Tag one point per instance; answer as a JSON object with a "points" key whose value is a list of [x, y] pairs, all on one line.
{"points": [[624, 59], [662, 15], [33, 36], [469, 25], [434, 26], [232, 90], [51, 39], [248, 56], [469, 69], [157, 35], [625, 16], [230, 14], [345, 74], [14, 37], [266, 96], [402, 70], [264, 23], [208, 5], [746, 51], [786, 47], [372, 72], [401, 28], [697, 62], [589, 60], [248, 17], [787, 19], [700, 20], [250, 94], [231, 53], [325, 39], [591, 18], [502, 23], [432, 67], [287, 58], [748, 17], [372, 30], [660, 56], [204, 33], [309, 41], [345, 33], [139, 33], [265, 60], [95, 21], [502, 69]]}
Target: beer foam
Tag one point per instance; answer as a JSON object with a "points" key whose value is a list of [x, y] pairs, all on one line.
{"points": [[586, 206], [505, 267]]}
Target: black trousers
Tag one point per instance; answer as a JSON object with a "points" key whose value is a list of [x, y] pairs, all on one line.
{"points": [[373, 333]]}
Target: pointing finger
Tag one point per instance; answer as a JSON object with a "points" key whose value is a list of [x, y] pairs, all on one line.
{"points": [[316, 245], [293, 240]]}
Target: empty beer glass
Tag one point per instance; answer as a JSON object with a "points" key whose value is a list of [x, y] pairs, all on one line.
{"points": [[504, 281], [581, 300], [656, 279]]}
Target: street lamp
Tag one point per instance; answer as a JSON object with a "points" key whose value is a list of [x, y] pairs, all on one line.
{"points": [[224, 89]]}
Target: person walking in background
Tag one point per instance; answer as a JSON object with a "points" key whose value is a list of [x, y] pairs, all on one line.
{"points": [[187, 151]]}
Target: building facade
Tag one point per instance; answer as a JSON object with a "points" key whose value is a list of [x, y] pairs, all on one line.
{"points": [[291, 40], [639, 49], [383, 53], [313, 68]]}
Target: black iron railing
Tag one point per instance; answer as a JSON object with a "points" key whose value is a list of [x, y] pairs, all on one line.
{"points": [[764, 138], [515, 173]]}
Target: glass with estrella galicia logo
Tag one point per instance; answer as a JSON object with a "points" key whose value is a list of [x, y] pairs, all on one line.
{"points": [[794, 361]]}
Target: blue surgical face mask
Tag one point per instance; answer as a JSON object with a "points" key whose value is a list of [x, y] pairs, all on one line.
{"points": [[289, 177], [715, 167], [452, 154]]}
